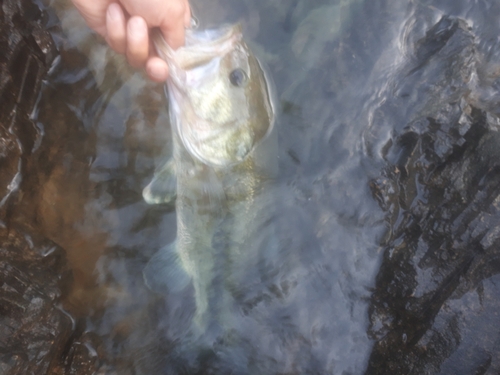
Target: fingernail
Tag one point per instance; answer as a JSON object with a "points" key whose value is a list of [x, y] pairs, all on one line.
{"points": [[136, 27], [114, 12]]}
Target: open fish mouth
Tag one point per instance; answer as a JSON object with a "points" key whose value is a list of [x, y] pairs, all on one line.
{"points": [[200, 47], [220, 103]]}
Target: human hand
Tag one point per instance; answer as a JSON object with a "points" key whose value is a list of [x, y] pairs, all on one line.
{"points": [[125, 25]]}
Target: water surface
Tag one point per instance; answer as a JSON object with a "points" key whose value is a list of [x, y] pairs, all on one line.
{"points": [[335, 65]]}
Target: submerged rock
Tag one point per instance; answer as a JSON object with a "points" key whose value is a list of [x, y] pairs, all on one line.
{"points": [[37, 336], [436, 299], [34, 329]]}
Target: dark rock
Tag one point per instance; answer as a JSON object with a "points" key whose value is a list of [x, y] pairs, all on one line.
{"points": [[27, 53], [84, 354], [34, 330], [37, 336], [435, 306]]}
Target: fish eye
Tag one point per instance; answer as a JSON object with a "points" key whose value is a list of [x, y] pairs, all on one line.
{"points": [[238, 77]]}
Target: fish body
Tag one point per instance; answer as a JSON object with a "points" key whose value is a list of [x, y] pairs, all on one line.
{"points": [[222, 117]]}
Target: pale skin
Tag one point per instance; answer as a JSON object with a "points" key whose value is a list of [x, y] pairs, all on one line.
{"points": [[125, 24]]}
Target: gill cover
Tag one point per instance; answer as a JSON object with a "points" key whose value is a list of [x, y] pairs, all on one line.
{"points": [[219, 97]]}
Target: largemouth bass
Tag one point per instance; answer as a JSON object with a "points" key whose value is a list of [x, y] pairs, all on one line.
{"points": [[221, 115]]}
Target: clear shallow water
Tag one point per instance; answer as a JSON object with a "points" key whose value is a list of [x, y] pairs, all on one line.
{"points": [[312, 316]]}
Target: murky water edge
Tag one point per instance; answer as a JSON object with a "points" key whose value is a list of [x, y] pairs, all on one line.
{"points": [[356, 83]]}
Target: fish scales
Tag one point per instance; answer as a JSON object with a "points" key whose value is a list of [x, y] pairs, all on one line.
{"points": [[224, 158]]}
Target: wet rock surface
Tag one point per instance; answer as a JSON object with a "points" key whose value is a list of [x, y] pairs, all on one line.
{"points": [[37, 335], [435, 306], [27, 52], [35, 331]]}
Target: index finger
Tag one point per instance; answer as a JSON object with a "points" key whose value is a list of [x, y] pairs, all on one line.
{"points": [[177, 17]]}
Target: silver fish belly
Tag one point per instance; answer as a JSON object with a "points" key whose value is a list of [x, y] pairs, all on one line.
{"points": [[224, 156]]}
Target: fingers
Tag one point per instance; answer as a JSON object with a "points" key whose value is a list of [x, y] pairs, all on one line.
{"points": [[187, 17], [94, 13], [157, 69], [137, 41], [130, 36], [178, 16], [116, 34]]}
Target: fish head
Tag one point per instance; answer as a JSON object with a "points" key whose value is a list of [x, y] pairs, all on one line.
{"points": [[219, 95]]}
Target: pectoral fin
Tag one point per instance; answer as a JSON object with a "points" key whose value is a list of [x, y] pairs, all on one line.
{"points": [[164, 272], [163, 187]]}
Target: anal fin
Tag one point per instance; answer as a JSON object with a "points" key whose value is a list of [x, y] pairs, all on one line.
{"points": [[164, 272]]}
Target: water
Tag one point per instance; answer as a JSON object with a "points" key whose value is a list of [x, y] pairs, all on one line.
{"points": [[336, 65]]}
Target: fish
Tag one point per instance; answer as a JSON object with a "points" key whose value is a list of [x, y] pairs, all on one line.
{"points": [[224, 159]]}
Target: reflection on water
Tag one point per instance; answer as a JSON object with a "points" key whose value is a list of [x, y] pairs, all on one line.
{"points": [[335, 65]]}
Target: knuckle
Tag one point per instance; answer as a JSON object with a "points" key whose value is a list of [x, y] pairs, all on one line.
{"points": [[177, 9]]}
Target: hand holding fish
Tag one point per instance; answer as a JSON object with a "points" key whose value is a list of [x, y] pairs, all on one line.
{"points": [[126, 23]]}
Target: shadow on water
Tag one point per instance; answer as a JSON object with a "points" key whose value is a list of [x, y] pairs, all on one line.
{"points": [[385, 208]]}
